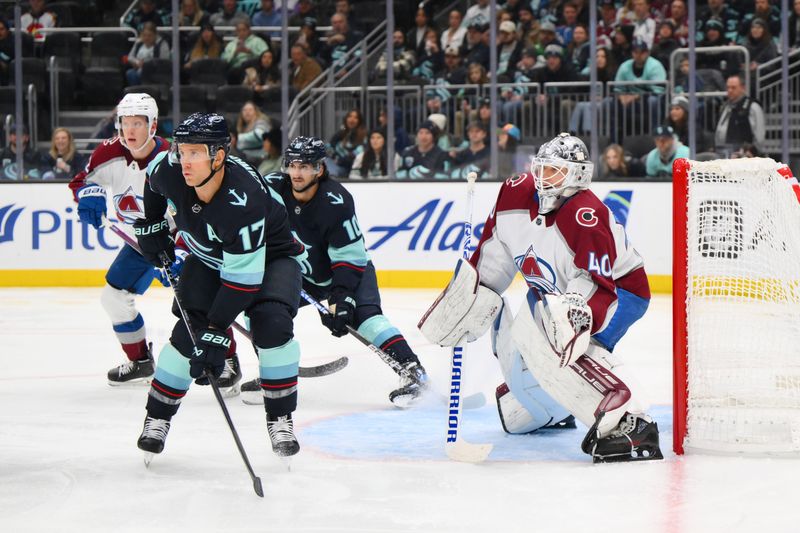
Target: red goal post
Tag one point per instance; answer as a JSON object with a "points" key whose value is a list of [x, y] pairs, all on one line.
{"points": [[736, 307]]}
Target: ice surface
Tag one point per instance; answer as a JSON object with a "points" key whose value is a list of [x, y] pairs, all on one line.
{"points": [[69, 462]]}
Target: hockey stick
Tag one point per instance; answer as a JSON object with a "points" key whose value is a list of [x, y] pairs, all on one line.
{"points": [[455, 446], [303, 371], [211, 379], [474, 400]]}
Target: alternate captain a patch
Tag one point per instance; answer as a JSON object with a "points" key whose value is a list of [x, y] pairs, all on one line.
{"points": [[128, 205], [536, 271]]}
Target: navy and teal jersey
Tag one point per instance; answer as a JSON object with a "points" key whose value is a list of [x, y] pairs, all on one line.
{"points": [[242, 228], [335, 255]]}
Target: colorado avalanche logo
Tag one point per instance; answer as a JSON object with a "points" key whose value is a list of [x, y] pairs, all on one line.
{"points": [[516, 179], [128, 206], [585, 217], [537, 272]]}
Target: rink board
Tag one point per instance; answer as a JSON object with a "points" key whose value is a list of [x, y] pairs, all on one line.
{"points": [[412, 231]]}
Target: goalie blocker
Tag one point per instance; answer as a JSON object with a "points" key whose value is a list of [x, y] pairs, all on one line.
{"points": [[546, 356]]}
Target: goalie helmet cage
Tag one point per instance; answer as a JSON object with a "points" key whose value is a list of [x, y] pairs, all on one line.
{"points": [[736, 307]]}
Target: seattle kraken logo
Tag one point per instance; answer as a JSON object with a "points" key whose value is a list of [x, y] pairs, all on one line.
{"points": [[305, 265], [241, 201], [537, 272], [8, 217]]}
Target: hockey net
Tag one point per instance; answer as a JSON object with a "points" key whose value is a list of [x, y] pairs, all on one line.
{"points": [[736, 307]]}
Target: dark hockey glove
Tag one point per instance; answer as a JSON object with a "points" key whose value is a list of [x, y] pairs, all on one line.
{"points": [[209, 355], [154, 239], [343, 313]]}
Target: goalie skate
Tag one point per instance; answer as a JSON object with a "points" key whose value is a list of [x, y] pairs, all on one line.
{"points": [[635, 439]]}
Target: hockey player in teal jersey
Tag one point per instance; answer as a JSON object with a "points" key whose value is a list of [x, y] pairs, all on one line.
{"points": [[241, 261], [335, 263]]}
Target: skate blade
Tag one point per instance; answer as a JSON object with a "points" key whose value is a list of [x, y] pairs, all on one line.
{"points": [[230, 392], [287, 462], [252, 398], [148, 458], [133, 383], [405, 401], [641, 455]]}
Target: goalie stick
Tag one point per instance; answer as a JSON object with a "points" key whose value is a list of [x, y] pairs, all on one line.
{"points": [[211, 379], [473, 401], [304, 371], [456, 447]]}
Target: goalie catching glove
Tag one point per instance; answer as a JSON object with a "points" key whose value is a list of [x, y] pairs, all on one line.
{"points": [[567, 322], [465, 309]]}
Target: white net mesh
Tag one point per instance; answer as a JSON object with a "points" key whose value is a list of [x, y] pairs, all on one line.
{"points": [[743, 308]]}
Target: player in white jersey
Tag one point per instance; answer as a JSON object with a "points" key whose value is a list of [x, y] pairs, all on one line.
{"points": [[587, 285], [117, 167]]}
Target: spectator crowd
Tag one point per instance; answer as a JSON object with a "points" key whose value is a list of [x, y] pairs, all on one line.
{"points": [[543, 66]]}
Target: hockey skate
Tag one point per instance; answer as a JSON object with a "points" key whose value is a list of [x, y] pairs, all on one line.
{"points": [[635, 439], [133, 372], [153, 436], [281, 435], [251, 392], [410, 388], [228, 381]]}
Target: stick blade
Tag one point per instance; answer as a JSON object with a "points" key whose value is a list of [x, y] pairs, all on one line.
{"points": [[466, 452], [324, 369], [473, 401], [257, 487]]}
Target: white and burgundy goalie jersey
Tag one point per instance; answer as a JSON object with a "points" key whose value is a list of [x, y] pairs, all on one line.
{"points": [[122, 176], [579, 248]]}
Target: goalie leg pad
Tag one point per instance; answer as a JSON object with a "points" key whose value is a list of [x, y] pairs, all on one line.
{"points": [[465, 309], [584, 388], [522, 404]]}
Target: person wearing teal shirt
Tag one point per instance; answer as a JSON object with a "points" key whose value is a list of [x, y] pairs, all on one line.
{"points": [[668, 148], [641, 97], [246, 46]]}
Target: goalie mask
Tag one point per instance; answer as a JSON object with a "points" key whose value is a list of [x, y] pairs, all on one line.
{"points": [[133, 105], [560, 169]]}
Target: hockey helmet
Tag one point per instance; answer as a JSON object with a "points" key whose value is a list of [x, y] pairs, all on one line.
{"points": [[561, 168], [137, 104], [309, 150], [210, 129]]}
